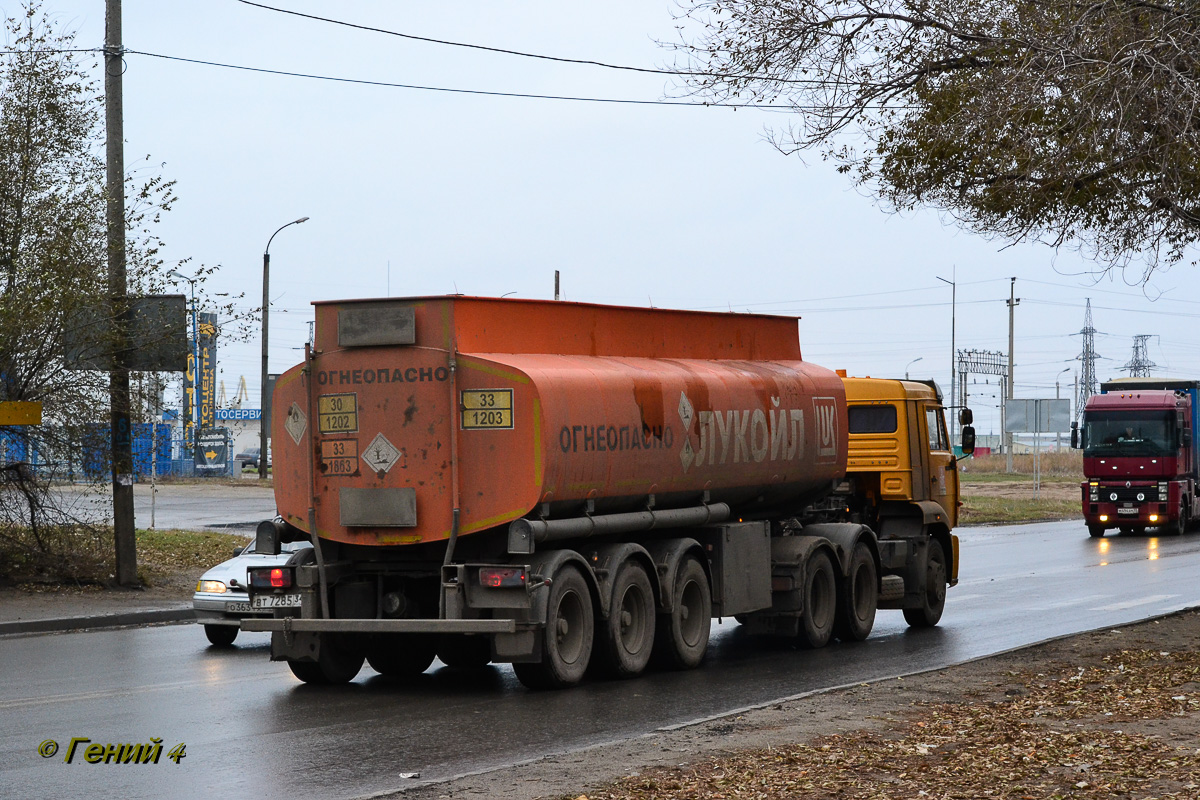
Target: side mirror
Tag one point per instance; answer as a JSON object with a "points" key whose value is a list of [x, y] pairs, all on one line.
{"points": [[968, 440], [965, 417], [237, 551], [1074, 435], [1187, 437]]}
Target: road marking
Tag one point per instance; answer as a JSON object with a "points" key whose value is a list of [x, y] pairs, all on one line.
{"points": [[1074, 601], [1154, 598]]}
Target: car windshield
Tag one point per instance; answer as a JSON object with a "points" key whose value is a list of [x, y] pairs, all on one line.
{"points": [[1129, 433]]}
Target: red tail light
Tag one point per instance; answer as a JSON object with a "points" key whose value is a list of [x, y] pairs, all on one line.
{"points": [[502, 577], [271, 577]]}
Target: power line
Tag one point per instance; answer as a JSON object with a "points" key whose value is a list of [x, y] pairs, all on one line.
{"points": [[364, 82], [523, 54]]}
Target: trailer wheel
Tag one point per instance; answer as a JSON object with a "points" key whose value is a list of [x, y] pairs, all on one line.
{"points": [[858, 597], [625, 640], [401, 655], [820, 601], [933, 601], [1095, 531], [337, 663], [567, 640], [221, 635], [459, 651], [681, 640]]}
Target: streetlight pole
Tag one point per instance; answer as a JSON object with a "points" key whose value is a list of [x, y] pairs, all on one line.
{"points": [[953, 376], [1057, 396], [262, 391], [195, 356], [909, 364]]}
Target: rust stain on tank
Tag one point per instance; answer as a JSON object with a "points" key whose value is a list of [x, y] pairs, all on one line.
{"points": [[411, 411]]}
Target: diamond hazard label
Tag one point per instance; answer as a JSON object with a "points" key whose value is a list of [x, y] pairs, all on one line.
{"points": [[381, 455], [296, 423]]}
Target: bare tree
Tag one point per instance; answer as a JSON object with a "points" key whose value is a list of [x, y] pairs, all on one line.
{"points": [[1068, 122]]}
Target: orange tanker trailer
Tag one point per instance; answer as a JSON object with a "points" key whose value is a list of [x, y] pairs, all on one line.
{"points": [[565, 486]]}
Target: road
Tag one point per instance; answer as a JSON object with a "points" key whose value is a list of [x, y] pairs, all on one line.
{"points": [[188, 506], [248, 724]]}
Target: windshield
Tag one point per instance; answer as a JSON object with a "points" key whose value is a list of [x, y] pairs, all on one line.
{"points": [[1129, 433]]}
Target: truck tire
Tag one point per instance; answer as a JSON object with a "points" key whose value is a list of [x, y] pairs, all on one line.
{"points": [[459, 651], [820, 601], [858, 597], [933, 600], [567, 641], [625, 640], [401, 655], [1178, 526], [336, 664], [221, 635], [681, 638], [1095, 531]]}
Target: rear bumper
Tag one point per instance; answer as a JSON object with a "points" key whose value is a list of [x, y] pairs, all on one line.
{"points": [[298, 625]]}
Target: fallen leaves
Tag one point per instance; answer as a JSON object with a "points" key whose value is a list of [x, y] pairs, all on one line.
{"points": [[1056, 738]]}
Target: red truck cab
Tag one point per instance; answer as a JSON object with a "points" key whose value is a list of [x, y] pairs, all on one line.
{"points": [[1139, 459]]}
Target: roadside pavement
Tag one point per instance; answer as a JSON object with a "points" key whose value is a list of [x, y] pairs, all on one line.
{"points": [[65, 609]]}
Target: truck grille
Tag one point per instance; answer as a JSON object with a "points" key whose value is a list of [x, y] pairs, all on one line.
{"points": [[1128, 495]]}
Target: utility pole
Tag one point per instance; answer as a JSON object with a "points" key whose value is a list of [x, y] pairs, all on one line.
{"points": [[1008, 393], [118, 381]]}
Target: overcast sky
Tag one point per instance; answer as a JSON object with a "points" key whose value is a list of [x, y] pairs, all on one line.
{"points": [[414, 192]]}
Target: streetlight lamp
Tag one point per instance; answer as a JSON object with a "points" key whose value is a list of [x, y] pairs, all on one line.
{"points": [[262, 402], [191, 420], [909, 364]]}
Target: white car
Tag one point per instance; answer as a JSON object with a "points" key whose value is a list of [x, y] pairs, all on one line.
{"points": [[221, 601]]}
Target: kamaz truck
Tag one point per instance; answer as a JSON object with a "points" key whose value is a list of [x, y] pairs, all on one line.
{"points": [[1140, 456], [579, 489]]}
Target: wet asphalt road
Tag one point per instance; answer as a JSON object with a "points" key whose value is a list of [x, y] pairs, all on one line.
{"points": [[251, 729], [189, 506]]}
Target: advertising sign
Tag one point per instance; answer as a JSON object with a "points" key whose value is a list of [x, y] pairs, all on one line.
{"points": [[212, 451], [206, 395]]}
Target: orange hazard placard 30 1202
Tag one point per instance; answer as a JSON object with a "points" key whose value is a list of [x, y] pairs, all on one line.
{"points": [[337, 413]]}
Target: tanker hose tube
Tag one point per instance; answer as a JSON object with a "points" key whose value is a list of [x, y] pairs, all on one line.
{"points": [[548, 530]]}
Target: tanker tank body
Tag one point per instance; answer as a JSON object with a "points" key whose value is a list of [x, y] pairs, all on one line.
{"points": [[544, 483]]}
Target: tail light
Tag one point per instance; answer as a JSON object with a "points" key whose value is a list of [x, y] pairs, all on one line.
{"points": [[502, 577], [271, 577]]}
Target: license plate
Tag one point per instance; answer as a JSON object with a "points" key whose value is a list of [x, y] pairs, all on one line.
{"points": [[237, 608], [1130, 511], [275, 601]]}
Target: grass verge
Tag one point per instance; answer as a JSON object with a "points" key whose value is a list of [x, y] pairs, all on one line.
{"points": [[165, 554], [990, 510]]}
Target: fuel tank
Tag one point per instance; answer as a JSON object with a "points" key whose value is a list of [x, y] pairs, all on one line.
{"points": [[411, 416]]}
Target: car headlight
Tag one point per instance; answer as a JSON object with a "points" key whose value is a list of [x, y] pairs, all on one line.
{"points": [[211, 587]]}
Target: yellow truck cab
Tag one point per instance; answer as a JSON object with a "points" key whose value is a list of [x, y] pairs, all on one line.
{"points": [[900, 461]]}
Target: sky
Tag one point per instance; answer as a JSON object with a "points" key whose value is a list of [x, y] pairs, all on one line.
{"points": [[417, 192]]}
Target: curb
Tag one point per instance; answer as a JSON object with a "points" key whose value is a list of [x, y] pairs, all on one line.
{"points": [[118, 620]]}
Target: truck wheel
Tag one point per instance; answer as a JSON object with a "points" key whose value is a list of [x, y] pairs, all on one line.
{"points": [[1179, 526], [221, 635], [681, 638], [401, 655], [858, 597], [625, 640], [820, 601], [933, 601], [459, 651], [336, 664], [1095, 531], [567, 640]]}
